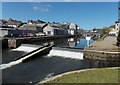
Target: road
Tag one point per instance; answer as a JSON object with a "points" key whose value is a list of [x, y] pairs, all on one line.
{"points": [[108, 44]]}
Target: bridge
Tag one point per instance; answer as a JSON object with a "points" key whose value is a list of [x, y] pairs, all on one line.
{"points": [[14, 42]]}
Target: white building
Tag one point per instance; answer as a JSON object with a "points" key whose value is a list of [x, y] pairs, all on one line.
{"points": [[4, 30], [48, 30], [117, 27], [113, 31], [72, 29], [54, 30]]}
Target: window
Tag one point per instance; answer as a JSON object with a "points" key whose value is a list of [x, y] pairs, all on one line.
{"points": [[49, 32]]}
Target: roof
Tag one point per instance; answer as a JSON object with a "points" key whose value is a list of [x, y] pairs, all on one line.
{"points": [[55, 26], [27, 28], [36, 22], [36, 25], [41, 24], [13, 23]]}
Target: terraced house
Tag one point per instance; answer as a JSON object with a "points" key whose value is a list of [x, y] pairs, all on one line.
{"points": [[117, 27]]}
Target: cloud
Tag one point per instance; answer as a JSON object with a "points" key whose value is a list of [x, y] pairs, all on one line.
{"points": [[42, 7]]}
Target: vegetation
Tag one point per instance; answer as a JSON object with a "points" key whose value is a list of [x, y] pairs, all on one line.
{"points": [[104, 31], [100, 39], [118, 39], [112, 26], [20, 24], [101, 75]]}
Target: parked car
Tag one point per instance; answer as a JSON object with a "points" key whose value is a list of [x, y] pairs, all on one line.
{"points": [[12, 35], [40, 34], [25, 35], [32, 34]]}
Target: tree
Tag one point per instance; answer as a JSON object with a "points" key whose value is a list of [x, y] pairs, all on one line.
{"points": [[104, 31], [112, 26], [118, 39], [20, 24]]}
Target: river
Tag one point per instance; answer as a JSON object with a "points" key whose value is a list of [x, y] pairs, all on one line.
{"points": [[59, 60]]}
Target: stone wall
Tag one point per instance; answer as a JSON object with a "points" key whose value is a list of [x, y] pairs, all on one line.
{"points": [[102, 56]]}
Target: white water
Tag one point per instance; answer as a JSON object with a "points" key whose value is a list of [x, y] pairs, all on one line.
{"points": [[66, 54], [26, 48], [4, 66], [49, 76]]}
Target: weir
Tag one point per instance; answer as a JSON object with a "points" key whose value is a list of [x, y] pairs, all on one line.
{"points": [[26, 48], [27, 56], [71, 53]]}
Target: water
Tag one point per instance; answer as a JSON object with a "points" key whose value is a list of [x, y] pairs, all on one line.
{"points": [[4, 66], [59, 60], [66, 53], [9, 55]]}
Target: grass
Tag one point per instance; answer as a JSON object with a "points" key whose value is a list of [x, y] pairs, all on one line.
{"points": [[100, 39], [91, 76]]}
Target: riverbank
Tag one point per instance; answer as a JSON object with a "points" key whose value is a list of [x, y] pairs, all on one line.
{"points": [[101, 75], [105, 49]]}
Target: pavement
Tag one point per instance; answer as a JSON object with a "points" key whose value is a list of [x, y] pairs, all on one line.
{"points": [[108, 45]]}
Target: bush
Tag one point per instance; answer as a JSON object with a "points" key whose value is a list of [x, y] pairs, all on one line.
{"points": [[118, 39], [104, 31]]}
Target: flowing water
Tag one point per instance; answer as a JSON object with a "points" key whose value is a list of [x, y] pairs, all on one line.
{"points": [[66, 56]]}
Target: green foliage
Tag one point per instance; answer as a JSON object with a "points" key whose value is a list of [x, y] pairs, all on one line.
{"points": [[20, 24], [100, 39], [112, 26], [118, 39], [104, 31]]}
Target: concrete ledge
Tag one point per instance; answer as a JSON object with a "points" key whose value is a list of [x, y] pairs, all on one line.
{"points": [[42, 50]]}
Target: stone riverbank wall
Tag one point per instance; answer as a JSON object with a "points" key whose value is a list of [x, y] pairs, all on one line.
{"points": [[103, 50]]}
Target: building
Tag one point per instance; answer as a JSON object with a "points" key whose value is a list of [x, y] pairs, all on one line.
{"points": [[33, 27], [12, 23], [117, 27], [72, 29], [35, 22], [54, 30], [65, 28], [3, 23], [4, 30]]}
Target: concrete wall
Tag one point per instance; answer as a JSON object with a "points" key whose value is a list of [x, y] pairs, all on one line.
{"points": [[101, 56]]}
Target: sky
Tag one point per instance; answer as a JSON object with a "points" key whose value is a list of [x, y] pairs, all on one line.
{"points": [[87, 15]]}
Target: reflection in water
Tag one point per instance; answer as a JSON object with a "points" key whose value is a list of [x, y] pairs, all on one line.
{"points": [[71, 42], [43, 67]]}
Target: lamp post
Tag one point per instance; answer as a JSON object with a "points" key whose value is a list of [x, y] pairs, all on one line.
{"points": [[88, 39]]}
